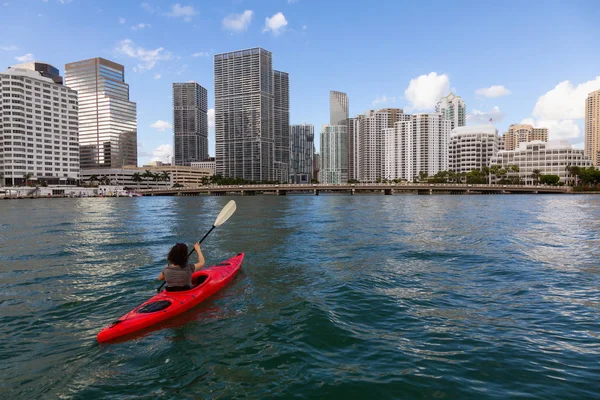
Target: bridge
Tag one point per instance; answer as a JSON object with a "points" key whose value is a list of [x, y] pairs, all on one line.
{"points": [[351, 188]]}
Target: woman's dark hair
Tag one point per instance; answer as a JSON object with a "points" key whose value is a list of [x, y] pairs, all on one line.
{"points": [[178, 255]]}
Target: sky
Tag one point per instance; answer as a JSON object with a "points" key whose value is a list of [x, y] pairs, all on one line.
{"points": [[525, 61]]}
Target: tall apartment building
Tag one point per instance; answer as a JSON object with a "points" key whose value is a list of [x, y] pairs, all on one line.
{"points": [[334, 154], [522, 133], [452, 108], [353, 129], [190, 123], [301, 153], [316, 166], [472, 147], [592, 127], [550, 158], [371, 142], [338, 108], [107, 119], [281, 83], [245, 115], [399, 145], [38, 126], [416, 143]]}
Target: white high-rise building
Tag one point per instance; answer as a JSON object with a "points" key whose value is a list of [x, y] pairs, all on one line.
{"points": [[334, 154], [452, 108], [39, 125], [550, 158], [399, 150], [301, 153], [472, 147], [371, 144], [338, 108], [353, 129]]}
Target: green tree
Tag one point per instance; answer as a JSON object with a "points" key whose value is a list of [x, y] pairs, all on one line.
{"points": [[549, 179], [26, 178], [137, 177], [165, 176], [535, 175]]}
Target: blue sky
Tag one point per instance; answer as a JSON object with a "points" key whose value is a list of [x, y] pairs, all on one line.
{"points": [[514, 61]]}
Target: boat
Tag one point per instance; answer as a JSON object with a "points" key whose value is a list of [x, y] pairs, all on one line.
{"points": [[165, 304]]}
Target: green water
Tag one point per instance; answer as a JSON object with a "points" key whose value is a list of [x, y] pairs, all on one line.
{"points": [[338, 297]]}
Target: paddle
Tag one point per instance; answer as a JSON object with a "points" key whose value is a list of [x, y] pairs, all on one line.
{"points": [[223, 216]]}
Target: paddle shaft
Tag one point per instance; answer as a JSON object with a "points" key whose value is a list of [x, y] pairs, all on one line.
{"points": [[201, 240]]}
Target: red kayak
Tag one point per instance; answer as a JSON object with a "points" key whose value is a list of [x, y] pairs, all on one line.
{"points": [[168, 304]]}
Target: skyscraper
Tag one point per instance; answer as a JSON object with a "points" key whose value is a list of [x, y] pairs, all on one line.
{"points": [[38, 127], [190, 123], [107, 119], [281, 83], [592, 127], [452, 108], [417, 143], [472, 147], [334, 154], [301, 153], [244, 114], [371, 142], [338, 108]]}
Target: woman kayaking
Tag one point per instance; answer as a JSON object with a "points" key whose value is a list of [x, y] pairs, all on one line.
{"points": [[178, 273]]}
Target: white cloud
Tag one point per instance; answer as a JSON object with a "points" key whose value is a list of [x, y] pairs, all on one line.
{"points": [[162, 152], [383, 100], [140, 26], [8, 48], [557, 130], [179, 11], [26, 58], [211, 117], [483, 117], [161, 125], [565, 101], [148, 58], [276, 24], [425, 91], [238, 22], [149, 8], [200, 54], [560, 109], [493, 91], [157, 76], [122, 21]]}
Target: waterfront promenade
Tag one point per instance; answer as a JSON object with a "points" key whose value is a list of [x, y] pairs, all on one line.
{"points": [[384, 188]]}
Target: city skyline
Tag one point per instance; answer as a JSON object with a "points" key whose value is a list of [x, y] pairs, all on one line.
{"points": [[547, 90]]}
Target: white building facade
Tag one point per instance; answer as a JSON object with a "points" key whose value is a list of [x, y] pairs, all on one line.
{"points": [[472, 147], [550, 158], [207, 165], [38, 129], [338, 108], [334, 154]]}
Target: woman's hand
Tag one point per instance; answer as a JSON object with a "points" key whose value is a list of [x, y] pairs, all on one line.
{"points": [[197, 247]]}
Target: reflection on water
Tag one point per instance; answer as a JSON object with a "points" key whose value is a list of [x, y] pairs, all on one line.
{"points": [[339, 296]]}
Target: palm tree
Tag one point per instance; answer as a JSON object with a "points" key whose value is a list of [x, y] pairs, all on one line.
{"points": [[166, 176], [137, 177], [494, 171], [93, 179], [535, 174], [26, 178]]}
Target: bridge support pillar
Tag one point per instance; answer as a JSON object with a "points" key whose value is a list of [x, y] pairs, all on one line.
{"points": [[316, 191], [353, 192], [245, 193], [388, 192], [281, 192]]}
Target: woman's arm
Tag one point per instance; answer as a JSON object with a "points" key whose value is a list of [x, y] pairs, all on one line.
{"points": [[200, 263], [161, 276]]}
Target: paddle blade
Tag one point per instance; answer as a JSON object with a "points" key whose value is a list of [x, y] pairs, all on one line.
{"points": [[225, 213]]}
